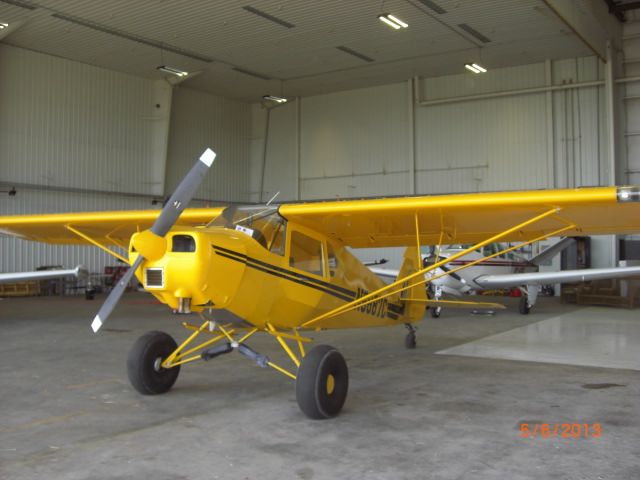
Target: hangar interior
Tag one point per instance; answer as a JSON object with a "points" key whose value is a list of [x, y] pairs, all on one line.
{"points": [[88, 122]]}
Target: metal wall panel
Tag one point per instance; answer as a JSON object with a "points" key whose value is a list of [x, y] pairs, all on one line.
{"points": [[359, 134], [484, 145], [359, 143], [66, 124], [70, 131], [199, 121]]}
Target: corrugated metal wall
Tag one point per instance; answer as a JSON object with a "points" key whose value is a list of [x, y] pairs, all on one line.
{"points": [[66, 124], [70, 131], [363, 142], [198, 121]]}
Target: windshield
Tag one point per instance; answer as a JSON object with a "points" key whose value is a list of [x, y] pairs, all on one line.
{"points": [[262, 223]]}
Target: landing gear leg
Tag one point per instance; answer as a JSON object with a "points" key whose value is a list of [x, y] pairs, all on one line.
{"points": [[410, 339]]}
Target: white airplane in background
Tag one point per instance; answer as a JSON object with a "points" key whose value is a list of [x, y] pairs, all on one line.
{"points": [[79, 272], [504, 271]]}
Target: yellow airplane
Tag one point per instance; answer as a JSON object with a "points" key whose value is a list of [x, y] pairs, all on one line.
{"points": [[285, 271]]}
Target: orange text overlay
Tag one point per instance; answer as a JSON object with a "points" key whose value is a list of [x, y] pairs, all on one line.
{"points": [[561, 430]]}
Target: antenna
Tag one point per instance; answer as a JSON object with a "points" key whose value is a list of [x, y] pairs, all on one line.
{"points": [[273, 198]]}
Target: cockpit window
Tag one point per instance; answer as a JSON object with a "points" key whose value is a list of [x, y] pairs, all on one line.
{"points": [[183, 243], [262, 223]]}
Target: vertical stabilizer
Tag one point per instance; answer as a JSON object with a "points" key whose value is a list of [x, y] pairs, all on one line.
{"points": [[414, 297]]}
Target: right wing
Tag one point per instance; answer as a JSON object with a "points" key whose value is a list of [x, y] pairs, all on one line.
{"points": [[106, 228]]}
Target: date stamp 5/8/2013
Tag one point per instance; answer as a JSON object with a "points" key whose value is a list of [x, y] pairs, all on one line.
{"points": [[561, 430]]}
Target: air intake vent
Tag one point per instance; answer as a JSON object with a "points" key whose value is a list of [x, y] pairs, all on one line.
{"points": [[154, 277], [266, 16], [130, 36], [472, 31], [433, 6], [251, 74], [18, 3], [356, 54]]}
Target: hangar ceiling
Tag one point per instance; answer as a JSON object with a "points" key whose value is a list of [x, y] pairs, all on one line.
{"points": [[246, 49]]}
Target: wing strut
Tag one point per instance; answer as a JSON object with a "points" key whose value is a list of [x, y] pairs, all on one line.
{"points": [[97, 244], [401, 285]]}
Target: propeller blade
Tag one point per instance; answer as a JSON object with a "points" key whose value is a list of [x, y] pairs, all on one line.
{"points": [[168, 216], [183, 194], [114, 297]]}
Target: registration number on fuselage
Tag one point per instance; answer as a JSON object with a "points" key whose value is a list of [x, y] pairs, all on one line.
{"points": [[377, 308]]}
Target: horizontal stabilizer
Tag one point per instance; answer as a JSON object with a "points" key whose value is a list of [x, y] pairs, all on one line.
{"points": [[548, 253], [385, 272], [459, 304], [565, 276]]}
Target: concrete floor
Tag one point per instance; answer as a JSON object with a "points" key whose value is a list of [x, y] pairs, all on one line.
{"points": [[67, 410]]}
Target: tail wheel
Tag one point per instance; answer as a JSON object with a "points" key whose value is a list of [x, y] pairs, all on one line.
{"points": [[523, 306], [436, 311], [410, 340], [322, 383], [144, 364]]}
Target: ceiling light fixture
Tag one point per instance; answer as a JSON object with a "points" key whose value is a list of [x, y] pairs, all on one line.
{"points": [[173, 71], [392, 21], [275, 98], [3, 25], [475, 68]]}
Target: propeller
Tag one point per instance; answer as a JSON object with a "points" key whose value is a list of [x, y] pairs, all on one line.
{"points": [[155, 235]]}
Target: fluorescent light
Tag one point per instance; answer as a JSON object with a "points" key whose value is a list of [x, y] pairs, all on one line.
{"points": [[173, 71], [397, 20], [392, 21], [471, 67], [275, 98], [3, 25], [478, 67], [389, 22]]}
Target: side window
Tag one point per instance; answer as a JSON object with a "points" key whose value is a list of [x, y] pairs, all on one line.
{"points": [[277, 242], [333, 260], [183, 243], [305, 253]]}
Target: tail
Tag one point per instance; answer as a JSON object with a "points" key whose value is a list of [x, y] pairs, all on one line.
{"points": [[414, 298]]}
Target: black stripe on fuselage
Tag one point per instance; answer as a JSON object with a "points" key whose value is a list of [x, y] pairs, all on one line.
{"points": [[325, 287]]}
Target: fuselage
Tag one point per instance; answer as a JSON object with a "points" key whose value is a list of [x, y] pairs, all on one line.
{"points": [[263, 269]]}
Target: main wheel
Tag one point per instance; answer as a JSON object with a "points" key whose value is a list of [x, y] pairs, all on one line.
{"points": [[322, 382], [144, 363], [523, 306], [435, 311]]}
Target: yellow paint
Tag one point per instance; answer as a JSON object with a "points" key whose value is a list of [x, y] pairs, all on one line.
{"points": [[149, 245], [331, 384]]}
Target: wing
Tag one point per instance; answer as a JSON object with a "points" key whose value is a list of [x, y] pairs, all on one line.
{"points": [[471, 218], [107, 228], [564, 276], [78, 272]]}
